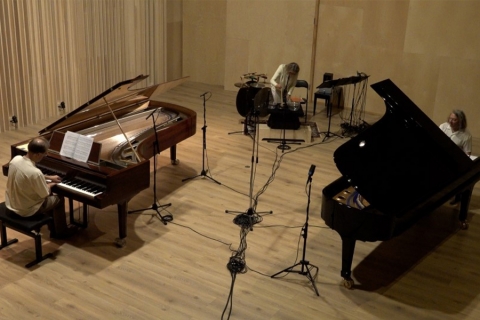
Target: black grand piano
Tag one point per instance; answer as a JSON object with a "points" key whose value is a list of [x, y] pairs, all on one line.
{"points": [[399, 169], [117, 169]]}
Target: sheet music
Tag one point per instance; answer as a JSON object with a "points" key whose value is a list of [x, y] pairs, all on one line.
{"points": [[76, 146]]}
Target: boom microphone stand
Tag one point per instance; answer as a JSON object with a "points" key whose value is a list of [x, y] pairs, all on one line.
{"points": [[204, 129], [249, 215], [155, 206], [306, 266]]}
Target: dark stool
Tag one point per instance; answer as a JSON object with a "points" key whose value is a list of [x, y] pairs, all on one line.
{"points": [[323, 93], [29, 226]]}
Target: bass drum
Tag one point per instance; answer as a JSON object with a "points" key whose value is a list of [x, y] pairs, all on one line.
{"points": [[245, 97]]}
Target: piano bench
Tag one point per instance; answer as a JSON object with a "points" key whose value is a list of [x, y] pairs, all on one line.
{"points": [[27, 226]]}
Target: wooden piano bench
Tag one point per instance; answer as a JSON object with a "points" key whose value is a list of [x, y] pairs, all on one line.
{"points": [[28, 227]]}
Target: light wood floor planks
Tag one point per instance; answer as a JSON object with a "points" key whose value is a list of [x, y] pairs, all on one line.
{"points": [[178, 270]]}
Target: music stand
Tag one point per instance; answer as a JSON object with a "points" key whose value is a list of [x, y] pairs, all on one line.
{"points": [[333, 84], [156, 150], [361, 77]]}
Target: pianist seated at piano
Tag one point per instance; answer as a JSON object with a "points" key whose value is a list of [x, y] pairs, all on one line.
{"points": [[456, 129], [28, 191]]}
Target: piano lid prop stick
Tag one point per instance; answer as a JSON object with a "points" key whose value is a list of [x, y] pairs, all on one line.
{"points": [[121, 129]]}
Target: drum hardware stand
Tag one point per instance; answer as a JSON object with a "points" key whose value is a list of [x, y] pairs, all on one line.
{"points": [[305, 265], [204, 129], [249, 215], [155, 206], [245, 126]]}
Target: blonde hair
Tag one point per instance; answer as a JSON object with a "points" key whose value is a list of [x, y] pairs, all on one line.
{"points": [[293, 67]]}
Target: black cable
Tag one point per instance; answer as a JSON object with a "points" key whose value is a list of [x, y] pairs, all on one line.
{"points": [[230, 298]]}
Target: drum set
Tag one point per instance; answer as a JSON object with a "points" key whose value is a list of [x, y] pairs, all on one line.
{"points": [[254, 96]]}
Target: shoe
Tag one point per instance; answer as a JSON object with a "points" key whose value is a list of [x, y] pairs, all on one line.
{"points": [[70, 231]]}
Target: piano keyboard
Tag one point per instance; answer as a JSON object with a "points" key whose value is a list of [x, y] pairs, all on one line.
{"points": [[76, 185]]}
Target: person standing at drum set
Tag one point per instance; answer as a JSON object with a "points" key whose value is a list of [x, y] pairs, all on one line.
{"points": [[283, 82]]}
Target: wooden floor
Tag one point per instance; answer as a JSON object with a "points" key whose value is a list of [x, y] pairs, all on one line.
{"points": [[178, 270]]}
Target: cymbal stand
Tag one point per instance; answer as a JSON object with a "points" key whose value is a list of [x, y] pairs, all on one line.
{"points": [[204, 129], [250, 214], [328, 133], [306, 267], [157, 208]]}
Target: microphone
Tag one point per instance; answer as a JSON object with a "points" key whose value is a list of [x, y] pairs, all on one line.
{"points": [[151, 114], [311, 172], [203, 95]]}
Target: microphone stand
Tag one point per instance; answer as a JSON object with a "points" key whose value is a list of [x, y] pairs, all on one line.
{"points": [[249, 214], [204, 129], [306, 266], [157, 208]]}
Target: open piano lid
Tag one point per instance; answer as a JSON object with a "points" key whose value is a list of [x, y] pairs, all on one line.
{"points": [[121, 100], [403, 159]]}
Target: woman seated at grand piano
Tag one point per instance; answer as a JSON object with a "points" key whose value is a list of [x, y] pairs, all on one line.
{"points": [[456, 129]]}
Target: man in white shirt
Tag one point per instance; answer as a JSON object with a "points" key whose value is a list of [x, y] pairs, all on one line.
{"points": [[28, 191]]}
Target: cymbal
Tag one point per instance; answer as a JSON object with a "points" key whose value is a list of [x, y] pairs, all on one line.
{"points": [[256, 85], [240, 85], [261, 100]]}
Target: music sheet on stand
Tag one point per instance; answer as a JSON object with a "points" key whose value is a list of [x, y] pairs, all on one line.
{"points": [[76, 146]]}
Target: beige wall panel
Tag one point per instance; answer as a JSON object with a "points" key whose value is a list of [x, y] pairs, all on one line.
{"points": [[444, 28], [384, 24], [418, 44], [339, 42], [174, 54], [204, 40], [274, 33], [236, 62], [174, 39], [458, 89]]}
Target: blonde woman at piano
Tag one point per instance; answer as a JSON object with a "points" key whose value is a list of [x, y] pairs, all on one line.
{"points": [[456, 129], [29, 193]]}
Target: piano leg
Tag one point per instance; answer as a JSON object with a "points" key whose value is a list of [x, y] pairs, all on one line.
{"points": [[464, 204], [122, 224], [173, 155], [348, 248]]}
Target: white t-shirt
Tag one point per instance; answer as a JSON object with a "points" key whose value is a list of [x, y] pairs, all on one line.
{"points": [[26, 187], [461, 138]]}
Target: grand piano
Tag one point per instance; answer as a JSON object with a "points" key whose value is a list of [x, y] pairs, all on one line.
{"points": [[396, 171], [116, 169]]}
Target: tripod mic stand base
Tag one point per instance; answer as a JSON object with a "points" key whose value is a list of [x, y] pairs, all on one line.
{"points": [[329, 135], [157, 208], [202, 174], [305, 265]]}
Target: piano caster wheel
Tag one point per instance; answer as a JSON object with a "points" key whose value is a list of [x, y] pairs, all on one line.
{"points": [[120, 242], [348, 283], [175, 162], [464, 225]]}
